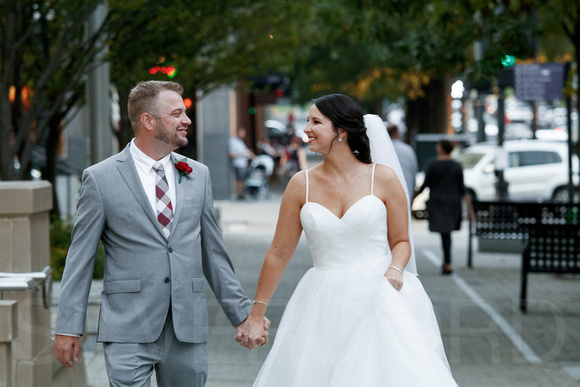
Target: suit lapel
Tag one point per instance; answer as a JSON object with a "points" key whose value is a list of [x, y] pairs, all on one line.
{"points": [[129, 173], [179, 192]]}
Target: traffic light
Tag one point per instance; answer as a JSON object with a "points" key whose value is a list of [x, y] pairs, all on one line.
{"points": [[508, 60], [169, 69]]}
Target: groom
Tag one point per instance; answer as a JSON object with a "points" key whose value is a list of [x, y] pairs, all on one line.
{"points": [[153, 211]]}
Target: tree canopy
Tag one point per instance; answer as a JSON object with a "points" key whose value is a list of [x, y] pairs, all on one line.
{"points": [[370, 49]]}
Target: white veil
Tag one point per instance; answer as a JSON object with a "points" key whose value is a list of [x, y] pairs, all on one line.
{"points": [[383, 152]]}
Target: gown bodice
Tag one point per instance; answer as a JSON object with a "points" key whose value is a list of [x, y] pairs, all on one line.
{"points": [[359, 237]]}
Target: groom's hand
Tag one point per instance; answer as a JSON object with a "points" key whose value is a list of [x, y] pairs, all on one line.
{"points": [[64, 347], [244, 337]]}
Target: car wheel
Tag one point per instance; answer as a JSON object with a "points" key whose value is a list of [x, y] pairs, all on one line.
{"points": [[420, 214], [561, 195]]}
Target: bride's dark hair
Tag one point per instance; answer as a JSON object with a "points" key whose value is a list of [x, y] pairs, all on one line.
{"points": [[345, 113]]}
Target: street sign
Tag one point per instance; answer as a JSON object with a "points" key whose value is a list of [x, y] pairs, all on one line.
{"points": [[539, 81]]}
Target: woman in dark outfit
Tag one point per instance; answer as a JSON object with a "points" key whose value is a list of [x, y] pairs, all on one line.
{"points": [[444, 177]]}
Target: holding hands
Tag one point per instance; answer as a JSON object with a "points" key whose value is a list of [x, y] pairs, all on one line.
{"points": [[253, 332]]}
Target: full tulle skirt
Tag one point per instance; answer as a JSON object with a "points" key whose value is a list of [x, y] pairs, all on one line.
{"points": [[350, 327]]}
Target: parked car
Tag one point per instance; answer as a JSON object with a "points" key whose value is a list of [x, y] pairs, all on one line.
{"points": [[535, 171]]}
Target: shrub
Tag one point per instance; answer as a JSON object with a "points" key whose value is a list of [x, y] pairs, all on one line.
{"points": [[60, 232]]}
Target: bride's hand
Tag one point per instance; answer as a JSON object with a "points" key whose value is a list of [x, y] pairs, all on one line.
{"points": [[251, 333], [395, 277]]}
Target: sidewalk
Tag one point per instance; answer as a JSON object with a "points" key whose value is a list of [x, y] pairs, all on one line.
{"points": [[488, 341]]}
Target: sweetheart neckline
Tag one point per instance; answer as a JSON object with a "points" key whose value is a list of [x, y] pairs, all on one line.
{"points": [[346, 212]]}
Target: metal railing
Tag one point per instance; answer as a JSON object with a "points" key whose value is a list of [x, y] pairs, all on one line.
{"points": [[26, 281]]}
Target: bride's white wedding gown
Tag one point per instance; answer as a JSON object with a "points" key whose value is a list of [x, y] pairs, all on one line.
{"points": [[345, 325]]}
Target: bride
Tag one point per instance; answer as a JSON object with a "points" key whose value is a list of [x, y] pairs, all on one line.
{"points": [[360, 316]]}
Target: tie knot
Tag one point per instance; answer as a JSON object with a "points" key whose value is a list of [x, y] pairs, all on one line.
{"points": [[158, 167]]}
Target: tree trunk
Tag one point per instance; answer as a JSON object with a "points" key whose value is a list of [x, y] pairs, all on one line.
{"points": [[124, 130], [6, 141], [50, 169], [431, 113]]}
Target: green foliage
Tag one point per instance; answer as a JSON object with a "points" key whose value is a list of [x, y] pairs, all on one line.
{"points": [[60, 233], [46, 53], [211, 42]]}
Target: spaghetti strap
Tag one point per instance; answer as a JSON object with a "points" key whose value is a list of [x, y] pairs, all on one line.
{"points": [[372, 180], [307, 186]]}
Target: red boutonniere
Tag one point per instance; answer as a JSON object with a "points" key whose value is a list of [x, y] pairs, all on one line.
{"points": [[184, 169]]}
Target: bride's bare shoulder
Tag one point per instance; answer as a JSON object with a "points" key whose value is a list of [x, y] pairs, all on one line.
{"points": [[385, 173], [386, 179], [296, 187]]}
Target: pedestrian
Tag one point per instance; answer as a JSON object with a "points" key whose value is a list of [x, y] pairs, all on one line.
{"points": [[239, 158], [407, 158], [293, 158], [444, 177], [153, 211], [360, 316]]}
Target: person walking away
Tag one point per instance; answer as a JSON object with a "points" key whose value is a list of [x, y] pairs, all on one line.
{"points": [[407, 158], [444, 177]]}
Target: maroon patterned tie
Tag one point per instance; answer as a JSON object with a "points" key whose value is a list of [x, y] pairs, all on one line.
{"points": [[164, 207]]}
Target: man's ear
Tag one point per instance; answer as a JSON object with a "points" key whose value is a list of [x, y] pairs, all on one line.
{"points": [[148, 122]]}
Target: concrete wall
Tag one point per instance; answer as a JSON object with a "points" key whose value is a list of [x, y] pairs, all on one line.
{"points": [[25, 247]]}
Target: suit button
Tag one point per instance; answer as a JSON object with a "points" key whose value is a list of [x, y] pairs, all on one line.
{"points": [[170, 249], [167, 280]]}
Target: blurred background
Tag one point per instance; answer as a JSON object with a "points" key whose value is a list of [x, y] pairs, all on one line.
{"points": [[471, 71]]}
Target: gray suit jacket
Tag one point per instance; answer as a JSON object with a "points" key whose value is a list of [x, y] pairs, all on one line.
{"points": [[145, 274]]}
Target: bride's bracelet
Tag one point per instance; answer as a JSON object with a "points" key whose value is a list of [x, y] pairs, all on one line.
{"points": [[396, 268], [260, 302]]}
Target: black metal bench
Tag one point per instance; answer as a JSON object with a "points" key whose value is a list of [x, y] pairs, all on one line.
{"points": [[497, 223], [546, 234], [549, 248], [508, 221]]}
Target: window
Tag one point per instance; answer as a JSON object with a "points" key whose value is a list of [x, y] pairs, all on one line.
{"points": [[468, 160], [528, 158]]}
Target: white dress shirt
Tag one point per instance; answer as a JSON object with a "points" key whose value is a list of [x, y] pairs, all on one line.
{"points": [[147, 175]]}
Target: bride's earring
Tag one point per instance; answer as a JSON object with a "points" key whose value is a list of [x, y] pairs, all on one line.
{"points": [[340, 139]]}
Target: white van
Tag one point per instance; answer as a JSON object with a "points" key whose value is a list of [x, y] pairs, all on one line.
{"points": [[534, 171]]}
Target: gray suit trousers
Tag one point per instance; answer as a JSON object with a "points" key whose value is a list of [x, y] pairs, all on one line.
{"points": [[176, 364]]}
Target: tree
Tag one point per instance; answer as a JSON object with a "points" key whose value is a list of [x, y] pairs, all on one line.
{"points": [[44, 57], [47, 51], [210, 43], [410, 49]]}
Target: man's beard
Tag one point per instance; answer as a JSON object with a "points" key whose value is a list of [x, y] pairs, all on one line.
{"points": [[166, 136]]}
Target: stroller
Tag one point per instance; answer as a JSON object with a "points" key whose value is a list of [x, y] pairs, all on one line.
{"points": [[261, 168]]}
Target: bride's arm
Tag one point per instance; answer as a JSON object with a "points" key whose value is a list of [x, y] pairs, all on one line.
{"points": [[392, 193], [288, 230]]}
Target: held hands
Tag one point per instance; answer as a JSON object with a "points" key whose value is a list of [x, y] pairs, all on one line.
{"points": [[64, 347], [395, 277], [252, 332]]}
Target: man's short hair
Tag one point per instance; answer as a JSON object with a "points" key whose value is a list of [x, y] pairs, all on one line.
{"points": [[392, 129], [143, 98]]}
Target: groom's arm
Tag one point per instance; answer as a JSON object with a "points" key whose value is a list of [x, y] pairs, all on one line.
{"points": [[217, 265], [78, 273]]}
